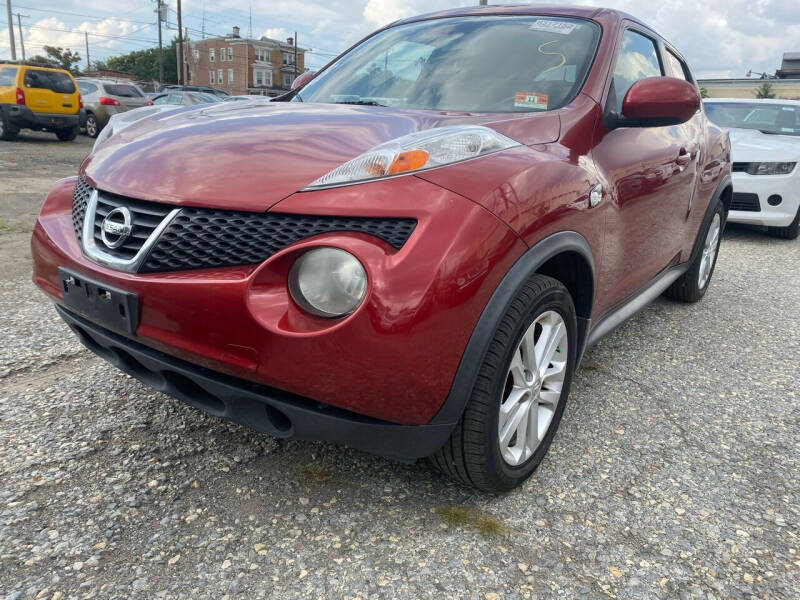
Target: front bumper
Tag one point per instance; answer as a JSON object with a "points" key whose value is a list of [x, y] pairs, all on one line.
{"points": [[23, 117], [393, 359], [264, 409], [753, 192]]}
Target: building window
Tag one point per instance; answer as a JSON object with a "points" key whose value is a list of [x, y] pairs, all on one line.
{"points": [[196, 54], [258, 78], [287, 58], [191, 76], [230, 76], [211, 77], [222, 53], [219, 76], [210, 55], [230, 53], [287, 80]]}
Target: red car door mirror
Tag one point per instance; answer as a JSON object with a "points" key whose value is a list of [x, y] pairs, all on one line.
{"points": [[659, 101], [302, 79]]}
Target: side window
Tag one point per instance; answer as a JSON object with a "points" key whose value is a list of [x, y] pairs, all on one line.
{"points": [[676, 66], [175, 99], [638, 59], [8, 75], [87, 88], [160, 100]]}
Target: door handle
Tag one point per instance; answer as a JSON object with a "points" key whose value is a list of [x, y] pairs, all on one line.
{"points": [[684, 157]]}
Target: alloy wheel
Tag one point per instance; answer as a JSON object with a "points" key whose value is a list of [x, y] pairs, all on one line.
{"points": [[533, 388], [91, 127], [709, 252]]}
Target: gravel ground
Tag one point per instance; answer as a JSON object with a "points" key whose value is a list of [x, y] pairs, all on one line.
{"points": [[674, 475]]}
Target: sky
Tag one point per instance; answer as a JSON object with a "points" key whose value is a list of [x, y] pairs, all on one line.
{"points": [[719, 38]]}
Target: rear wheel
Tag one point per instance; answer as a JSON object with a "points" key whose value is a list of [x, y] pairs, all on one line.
{"points": [[520, 392], [7, 132], [789, 232], [67, 134], [692, 285], [92, 127]]}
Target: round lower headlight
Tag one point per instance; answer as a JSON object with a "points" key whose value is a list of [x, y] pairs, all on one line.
{"points": [[328, 282]]}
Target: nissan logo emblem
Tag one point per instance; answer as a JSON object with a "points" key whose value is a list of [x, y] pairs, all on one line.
{"points": [[117, 227]]}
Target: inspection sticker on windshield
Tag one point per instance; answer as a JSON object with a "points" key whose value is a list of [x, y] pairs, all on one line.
{"points": [[561, 27], [530, 100]]}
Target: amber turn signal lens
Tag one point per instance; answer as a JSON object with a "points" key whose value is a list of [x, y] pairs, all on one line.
{"points": [[410, 160]]}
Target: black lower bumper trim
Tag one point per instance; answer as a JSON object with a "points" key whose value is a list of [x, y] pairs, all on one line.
{"points": [[23, 117], [264, 409]]}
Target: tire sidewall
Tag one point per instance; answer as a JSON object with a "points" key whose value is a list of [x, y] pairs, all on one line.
{"points": [[558, 300]]}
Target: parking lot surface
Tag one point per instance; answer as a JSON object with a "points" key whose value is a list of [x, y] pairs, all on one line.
{"points": [[675, 473]]}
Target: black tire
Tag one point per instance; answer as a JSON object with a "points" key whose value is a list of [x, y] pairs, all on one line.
{"points": [[7, 133], [687, 287], [67, 134], [789, 232], [92, 126], [472, 455]]}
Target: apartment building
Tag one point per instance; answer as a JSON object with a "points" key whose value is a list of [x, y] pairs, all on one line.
{"points": [[242, 65]]}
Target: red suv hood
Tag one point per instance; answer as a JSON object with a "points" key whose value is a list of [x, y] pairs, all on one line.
{"points": [[250, 156]]}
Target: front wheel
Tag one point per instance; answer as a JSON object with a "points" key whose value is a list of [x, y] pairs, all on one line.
{"points": [[692, 285], [520, 392], [790, 232], [92, 126]]}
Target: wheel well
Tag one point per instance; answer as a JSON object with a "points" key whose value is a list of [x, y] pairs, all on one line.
{"points": [[726, 197], [573, 270]]}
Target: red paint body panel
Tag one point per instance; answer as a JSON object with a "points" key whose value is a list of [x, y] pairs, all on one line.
{"points": [[396, 356]]}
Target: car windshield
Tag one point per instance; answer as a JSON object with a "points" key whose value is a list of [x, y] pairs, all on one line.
{"points": [[768, 117], [472, 64]]}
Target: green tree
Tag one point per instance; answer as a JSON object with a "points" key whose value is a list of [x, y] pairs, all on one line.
{"points": [[58, 58], [703, 92], [143, 64], [764, 90]]}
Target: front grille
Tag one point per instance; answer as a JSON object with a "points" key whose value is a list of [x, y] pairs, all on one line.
{"points": [[145, 216], [740, 167], [745, 201], [80, 197], [199, 238]]}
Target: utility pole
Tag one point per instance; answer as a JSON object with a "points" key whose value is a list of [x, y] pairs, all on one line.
{"points": [[186, 50], [160, 13], [19, 26], [180, 46], [11, 31], [295, 54], [86, 39]]}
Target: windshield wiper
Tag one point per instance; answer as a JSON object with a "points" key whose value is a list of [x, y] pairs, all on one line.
{"points": [[360, 102]]}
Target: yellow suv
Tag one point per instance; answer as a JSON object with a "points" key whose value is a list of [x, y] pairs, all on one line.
{"points": [[38, 98]]}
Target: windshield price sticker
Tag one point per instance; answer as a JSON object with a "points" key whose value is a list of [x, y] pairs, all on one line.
{"points": [[560, 27], [530, 100]]}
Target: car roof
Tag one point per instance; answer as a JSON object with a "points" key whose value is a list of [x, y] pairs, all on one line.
{"points": [[41, 68], [562, 10], [753, 100]]}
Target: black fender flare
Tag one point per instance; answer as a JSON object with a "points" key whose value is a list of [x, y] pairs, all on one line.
{"points": [[724, 183], [525, 266]]}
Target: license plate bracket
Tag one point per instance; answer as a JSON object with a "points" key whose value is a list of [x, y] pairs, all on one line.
{"points": [[105, 305]]}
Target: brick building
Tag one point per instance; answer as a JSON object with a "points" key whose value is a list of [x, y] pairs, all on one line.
{"points": [[243, 66]]}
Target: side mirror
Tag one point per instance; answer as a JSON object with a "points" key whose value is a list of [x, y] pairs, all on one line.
{"points": [[658, 101], [302, 79]]}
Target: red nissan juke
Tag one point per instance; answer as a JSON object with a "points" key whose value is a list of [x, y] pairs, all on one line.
{"points": [[411, 252]]}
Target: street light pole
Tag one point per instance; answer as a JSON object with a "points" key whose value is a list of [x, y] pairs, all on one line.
{"points": [[21, 41], [160, 48], [11, 31]]}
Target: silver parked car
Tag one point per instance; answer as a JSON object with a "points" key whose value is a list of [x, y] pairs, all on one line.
{"points": [[185, 98], [103, 98]]}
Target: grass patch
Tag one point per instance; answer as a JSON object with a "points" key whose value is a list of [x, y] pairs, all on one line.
{"points": [[466, 516], [316, 472], [6, 228]]}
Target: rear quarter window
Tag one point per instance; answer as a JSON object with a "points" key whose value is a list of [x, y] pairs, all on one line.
{"points": [[87, 88], [60, 83], [8, 75], [122, 90]]}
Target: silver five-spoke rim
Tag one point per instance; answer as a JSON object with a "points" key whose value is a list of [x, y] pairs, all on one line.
{"points": [[533, 388], [709, 252], [91, 127]]}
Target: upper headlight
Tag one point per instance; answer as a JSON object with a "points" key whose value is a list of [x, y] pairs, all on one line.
{"points": [[417, 151], [770, 168]]}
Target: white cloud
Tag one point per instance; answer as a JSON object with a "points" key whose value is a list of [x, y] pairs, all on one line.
{"points": [[276, 33]]}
